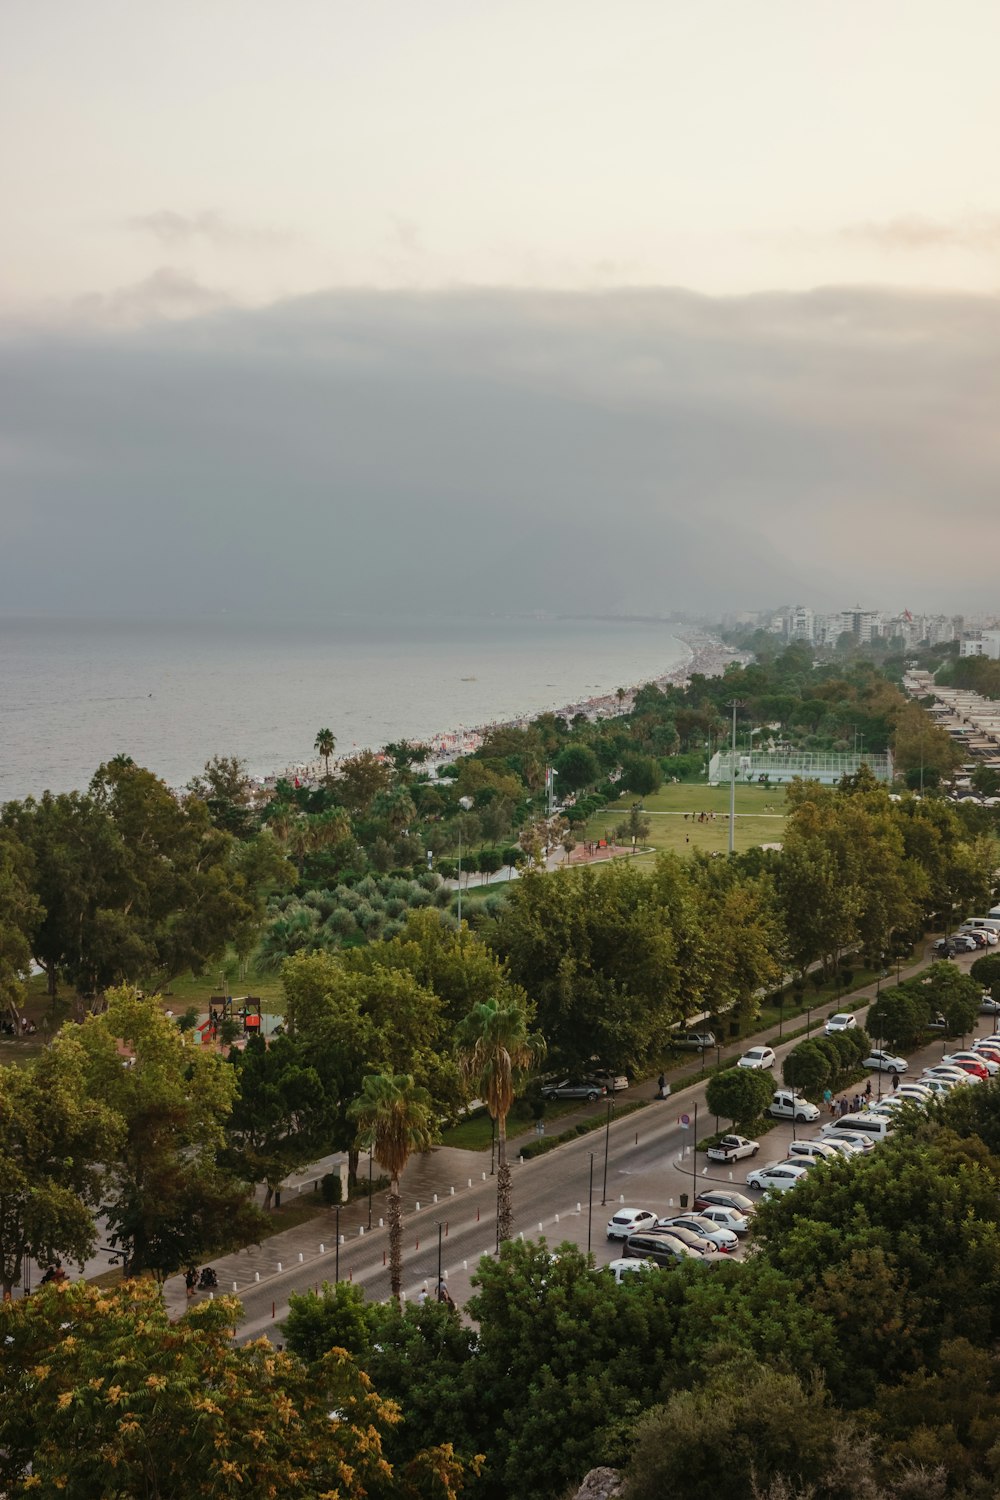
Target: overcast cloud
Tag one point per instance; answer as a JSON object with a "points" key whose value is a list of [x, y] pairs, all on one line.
{"points": [[497, 451]]}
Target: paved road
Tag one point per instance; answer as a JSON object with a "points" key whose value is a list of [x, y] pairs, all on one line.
{"points": [[650, 1163]]}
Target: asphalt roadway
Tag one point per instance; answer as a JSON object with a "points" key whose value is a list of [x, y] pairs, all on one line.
{"points": [[560, 1195]]}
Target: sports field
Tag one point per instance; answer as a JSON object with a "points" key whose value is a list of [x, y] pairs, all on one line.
{"points": [[680, 818]]}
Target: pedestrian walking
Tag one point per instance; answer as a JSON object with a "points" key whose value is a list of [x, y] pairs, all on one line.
{"points": [[868, 1089], [422, 1295], [443, 1294], [827, 1096], [895, 1080], [662, 1087], [190, 1280]]}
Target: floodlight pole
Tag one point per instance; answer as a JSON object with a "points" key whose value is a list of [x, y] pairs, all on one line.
{"points": [[732, 782]]}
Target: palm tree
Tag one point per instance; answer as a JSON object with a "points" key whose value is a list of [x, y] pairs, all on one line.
{"points": [[395, 1117], [324, 747], [495, 1047]]}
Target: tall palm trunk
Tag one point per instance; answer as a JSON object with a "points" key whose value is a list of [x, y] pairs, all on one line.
{"points": [[395, 1240], [505, 1212]]}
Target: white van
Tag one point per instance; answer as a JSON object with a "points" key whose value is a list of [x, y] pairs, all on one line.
{"points": [[877, 1126], [980, 924], [994, 911]]}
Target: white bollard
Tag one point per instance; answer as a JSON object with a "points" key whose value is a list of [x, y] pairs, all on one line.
{"points": [[435, 1197], [342, 1239], [298, 1187], [465, 1265], [211, 1296], [541, 1229], [484, 1178], [451, 1192], [234, 1286], [418, 1208], [322, 1249], [670, 1202], [381, 1223], [557, 1218], [521, 1237], [256, 1276], [361, 1230], [279, 1265], [704, 1171], [730, 1177], [301, 1257], [579, 1208], [621, 1197], [470, 1179]]}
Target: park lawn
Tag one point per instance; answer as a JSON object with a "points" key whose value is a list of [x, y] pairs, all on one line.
{"points": [[185, 990], [760, 819]]}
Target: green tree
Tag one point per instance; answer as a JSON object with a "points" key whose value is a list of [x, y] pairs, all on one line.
{"points": [[808, 1067], [167, 1202], [641, 774], [280, 1113], [133, 1404], [746, 1427], [986, 970], [20, 915], [899, 1016], [395, 1118], [954, 995], [496, 1046], [576, 766], [324, 746], [54, 1140], [225, 788], [739, 1094]]}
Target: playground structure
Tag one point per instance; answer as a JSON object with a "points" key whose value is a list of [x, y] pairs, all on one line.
{"points": [[243, 1009]]}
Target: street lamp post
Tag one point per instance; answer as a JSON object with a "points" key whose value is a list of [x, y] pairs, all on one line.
{"points": [[607, 1139], [493, 1146], [732, 782], [369, 1187], [336, 1269], [440, 1228], [590, 1204]]}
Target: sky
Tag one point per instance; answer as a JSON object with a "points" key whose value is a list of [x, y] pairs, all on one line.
{"points": [[657, 305]]}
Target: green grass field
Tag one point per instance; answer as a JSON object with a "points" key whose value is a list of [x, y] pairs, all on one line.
{"points": [[760, 818]]}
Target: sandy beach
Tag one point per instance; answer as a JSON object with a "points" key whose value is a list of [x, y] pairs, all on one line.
{"points": [[709, 657]]}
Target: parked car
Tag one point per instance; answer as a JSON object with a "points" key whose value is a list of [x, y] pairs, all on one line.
{"points": [[980, 1057], [613, 1082], [788, 1105], [727, 1218], [629, 1221], [884, 1062], [979, 938], [695, 1041], [842, 1021], [879, 1127], [732, 1148], [974, 1065], [722, 1238], [686, 1235], [813, 1150], [758, 1058], [988, 1006], [662, 1249], [914, 1090], [844, 1147], [988, 1048], [590, 1089], [950, 1074], [939, 1087], [777, 1176], [725, 1198], [856, 1138], [620, 1269]]}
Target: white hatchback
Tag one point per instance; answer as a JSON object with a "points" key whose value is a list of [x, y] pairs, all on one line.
{"points": [[778, 1176], [843, 1021], [758, 1058], [630, 1221]]}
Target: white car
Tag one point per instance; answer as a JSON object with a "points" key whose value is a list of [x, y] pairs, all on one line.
{"points": [[726, 1218], [732, 1148], [983, 1058], [630, 1221], [788, 1105], [864, 1143], [777, 1176], [951, 1075], [884, 1062], [940, 1087], [716, 1234], [843, 1021], [812, 1150], [758, 1058], [620, 1269], [844, 1147], [914, 1090]]}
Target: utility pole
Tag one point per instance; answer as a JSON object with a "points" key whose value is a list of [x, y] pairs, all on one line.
{"points": [[732, 781], [460, 878]]}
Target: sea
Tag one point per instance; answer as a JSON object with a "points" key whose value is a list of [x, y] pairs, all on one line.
{"points": [[172, 694]]}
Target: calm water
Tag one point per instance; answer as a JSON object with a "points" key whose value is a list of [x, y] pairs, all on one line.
{"points": [[75, 693]]}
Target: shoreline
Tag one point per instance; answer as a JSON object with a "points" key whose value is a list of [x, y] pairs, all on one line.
{"points": [[707, 657]]}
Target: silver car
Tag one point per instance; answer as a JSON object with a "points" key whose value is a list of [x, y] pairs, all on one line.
{"points": [[718, 1234]]}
